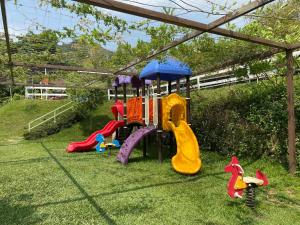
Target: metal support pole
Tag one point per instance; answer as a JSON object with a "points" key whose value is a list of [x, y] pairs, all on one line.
{"points": [[178, 86], [108, 94], [170, 133], [143, 101], [169, 87], [188, 100], [143, 115], [116, 93], [125, 110], [54, 116], [159, 128], [148, 90], [116, 99], [198, 82], [291, 113], [26, 93]]}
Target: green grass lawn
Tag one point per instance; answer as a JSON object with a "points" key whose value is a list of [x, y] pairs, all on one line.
{"points": [[42, 184]]}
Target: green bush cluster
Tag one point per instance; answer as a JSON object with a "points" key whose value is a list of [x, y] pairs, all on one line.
{"points": [[51, 127], [84, 100], [6, 91], [249, 121]]}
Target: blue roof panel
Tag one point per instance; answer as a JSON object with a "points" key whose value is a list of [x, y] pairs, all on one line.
{"points": [[169, 69]]}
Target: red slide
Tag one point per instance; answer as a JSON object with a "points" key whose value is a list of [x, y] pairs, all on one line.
{"points": [[90, 142]]}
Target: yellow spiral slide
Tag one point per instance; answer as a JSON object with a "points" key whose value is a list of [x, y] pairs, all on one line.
{"points": [[187, 159]]}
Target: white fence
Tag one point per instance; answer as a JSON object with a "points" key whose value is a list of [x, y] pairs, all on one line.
{"points": [[203, 81], [44, 92], [197, 82]]}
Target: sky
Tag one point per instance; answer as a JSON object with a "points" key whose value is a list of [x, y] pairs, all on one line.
{"points": [[28, 15]]}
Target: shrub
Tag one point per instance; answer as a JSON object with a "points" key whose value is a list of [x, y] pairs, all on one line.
{"points": [[6, 91], [249, 121], [51, 127], [90, 98], [32, 107], [18, 96]]}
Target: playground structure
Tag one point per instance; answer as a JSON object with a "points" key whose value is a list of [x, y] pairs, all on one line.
{"points": [[238, 183], [213, 27], [170, 114], [158, 114]]}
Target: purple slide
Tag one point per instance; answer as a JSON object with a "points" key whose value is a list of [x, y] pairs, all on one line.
{"points": [[131, 142]]}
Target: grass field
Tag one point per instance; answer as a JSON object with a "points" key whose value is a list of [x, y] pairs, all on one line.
{"points": [[41, 184]]}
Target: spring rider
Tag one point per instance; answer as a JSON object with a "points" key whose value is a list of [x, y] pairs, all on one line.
{"points": [[238, 183], [102, 145]]}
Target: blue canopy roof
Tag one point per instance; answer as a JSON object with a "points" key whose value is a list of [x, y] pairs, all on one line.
{"points": [[169, 69]]}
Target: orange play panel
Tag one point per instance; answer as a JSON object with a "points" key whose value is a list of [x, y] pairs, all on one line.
{"points": [[134, 110]]}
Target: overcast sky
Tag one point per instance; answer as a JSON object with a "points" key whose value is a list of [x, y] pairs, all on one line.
{"points": [[28, 14]]}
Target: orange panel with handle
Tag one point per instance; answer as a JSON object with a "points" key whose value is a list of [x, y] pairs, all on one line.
{"points": [[134, 110]]}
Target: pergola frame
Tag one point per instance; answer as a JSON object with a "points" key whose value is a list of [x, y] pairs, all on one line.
{"points": [[202, 28], [211, 26], [4, 19], [70, 68]]}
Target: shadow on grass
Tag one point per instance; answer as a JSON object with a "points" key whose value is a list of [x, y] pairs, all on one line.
{"points": [[22, 161], [140, 159], [189, 179], [101, 211], [205, 222], [16, 213], [93, 123], [286, 200], [244, 215], [246, 219], [86, 196], [182, 181], [235, 203]]}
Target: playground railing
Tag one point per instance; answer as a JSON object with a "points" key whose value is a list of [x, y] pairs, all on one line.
{"points": [[52, 115], [200, 82]]}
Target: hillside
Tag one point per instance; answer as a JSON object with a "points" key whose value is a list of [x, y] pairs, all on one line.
{"points": [[89, 56], [16, 115], [80, 130]]}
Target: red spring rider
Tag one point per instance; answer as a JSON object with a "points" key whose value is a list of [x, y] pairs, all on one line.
{"points": [[237, 182]]}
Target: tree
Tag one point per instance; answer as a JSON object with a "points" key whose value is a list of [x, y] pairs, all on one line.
{"points": [[207, 51]]}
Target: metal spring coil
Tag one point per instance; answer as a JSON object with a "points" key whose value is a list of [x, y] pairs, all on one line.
{"points": [[250, 200]]}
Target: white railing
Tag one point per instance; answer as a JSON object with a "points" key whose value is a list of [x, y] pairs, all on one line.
{"points": [[44, 92], [198, 82], [207, 82], [50, 116]]}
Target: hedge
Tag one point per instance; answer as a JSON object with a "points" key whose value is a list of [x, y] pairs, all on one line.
{"points": [[249, 120]]}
